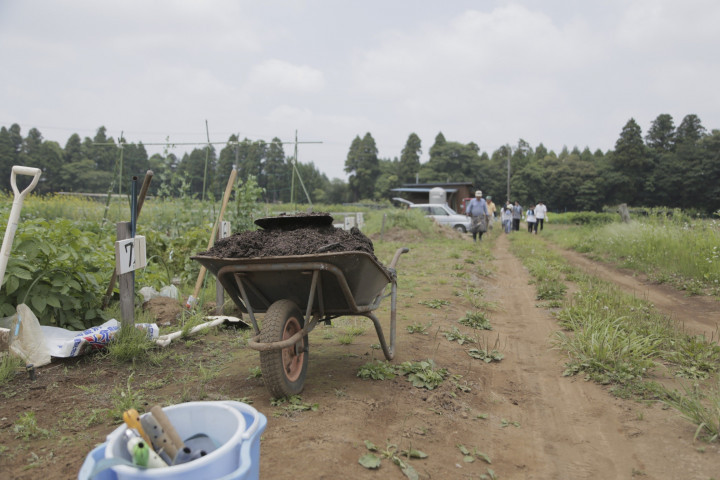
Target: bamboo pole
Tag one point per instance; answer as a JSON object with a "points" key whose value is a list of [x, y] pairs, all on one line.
{"points": [[201, 276]]}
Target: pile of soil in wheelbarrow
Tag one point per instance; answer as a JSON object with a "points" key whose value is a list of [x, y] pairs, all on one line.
{"points": [[303, 234]]}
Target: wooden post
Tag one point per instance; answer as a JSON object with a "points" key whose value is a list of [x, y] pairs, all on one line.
{"points": [[126, 284], [141, 199], [382, 229], [624, 213]]}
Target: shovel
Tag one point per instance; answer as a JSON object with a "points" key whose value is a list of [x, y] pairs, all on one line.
{"points": [[15, 212]]}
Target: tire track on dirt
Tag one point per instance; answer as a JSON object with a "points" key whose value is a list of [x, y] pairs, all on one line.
{"points": [[571, 428], [699, 314], [568, 428]]}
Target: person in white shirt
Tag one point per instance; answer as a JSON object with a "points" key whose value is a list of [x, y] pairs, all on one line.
{"points": [[540, 215], [531, 221]]}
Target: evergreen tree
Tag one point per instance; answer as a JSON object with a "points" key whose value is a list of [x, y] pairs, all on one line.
{"points": [[632, 164], [409, 160], [690, 130], [363, 166], [73, 149], [352, 165], [661, 135], [191, 170], [689, 162], [8, 157], [228, 156], [103, 151], [276, 171]]}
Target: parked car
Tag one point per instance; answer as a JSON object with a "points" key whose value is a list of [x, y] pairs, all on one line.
{"points": [[444, 215]]}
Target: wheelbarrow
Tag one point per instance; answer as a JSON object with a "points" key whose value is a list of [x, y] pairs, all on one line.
{"points": [[295, 293]]}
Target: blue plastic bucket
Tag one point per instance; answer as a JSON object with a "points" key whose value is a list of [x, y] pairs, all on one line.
{"points": [[236, 427]]}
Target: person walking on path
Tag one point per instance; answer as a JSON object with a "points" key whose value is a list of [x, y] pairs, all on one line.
{"points": [[507, 217], [478, 212], [531, 221], [517, 213], [540, 214], [491, 211]]}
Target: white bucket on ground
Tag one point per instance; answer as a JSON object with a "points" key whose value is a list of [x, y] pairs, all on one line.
{"points": [[235, 427]]}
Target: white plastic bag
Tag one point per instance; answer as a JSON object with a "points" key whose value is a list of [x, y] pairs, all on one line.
{"points": [[27, 340]]}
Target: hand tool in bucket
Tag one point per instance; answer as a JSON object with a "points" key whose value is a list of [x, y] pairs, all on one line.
{"points": [[15, 211]]}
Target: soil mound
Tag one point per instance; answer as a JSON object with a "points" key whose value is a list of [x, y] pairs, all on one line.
{"points": [[291, 235]]}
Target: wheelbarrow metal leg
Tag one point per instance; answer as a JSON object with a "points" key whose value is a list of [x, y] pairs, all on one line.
{"points": [[388, 350]]}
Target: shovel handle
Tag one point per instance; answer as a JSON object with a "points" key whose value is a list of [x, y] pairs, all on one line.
{"points": [[31, 171]]}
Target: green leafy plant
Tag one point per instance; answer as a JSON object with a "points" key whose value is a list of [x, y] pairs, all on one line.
{"points": [[470, 456], [456, 335], [486, 352], [55, 270], [476, 320], [9, 364], [291, 405], [27, 427], [391, 452], [345, 339], [435, 303], [255, 372], [377, 371], [419, 328], [124, 399], [423, 374]]}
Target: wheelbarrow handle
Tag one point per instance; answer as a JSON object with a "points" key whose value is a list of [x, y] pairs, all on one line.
{"points": [[398, 252], [31, 171]]}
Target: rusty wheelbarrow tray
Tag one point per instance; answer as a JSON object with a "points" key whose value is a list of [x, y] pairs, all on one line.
{"points": [[323, 286]]}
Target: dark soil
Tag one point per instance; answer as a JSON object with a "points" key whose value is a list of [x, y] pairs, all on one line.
{"points": [[286, 236]]}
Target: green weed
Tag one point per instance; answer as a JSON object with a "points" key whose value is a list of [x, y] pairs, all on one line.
{"points": [[476, 320]]}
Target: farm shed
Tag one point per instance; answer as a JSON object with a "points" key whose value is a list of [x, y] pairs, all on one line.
{"points": [[419, 192]]}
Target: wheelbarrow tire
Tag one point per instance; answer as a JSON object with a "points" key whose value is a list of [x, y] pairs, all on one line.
{"points": [[283, 370]]}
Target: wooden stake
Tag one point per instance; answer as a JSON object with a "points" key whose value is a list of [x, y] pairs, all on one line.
{"points": [[141, 199], [201, 276]]}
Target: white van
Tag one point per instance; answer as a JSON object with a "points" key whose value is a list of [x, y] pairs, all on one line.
{"points": [[445, 215]]}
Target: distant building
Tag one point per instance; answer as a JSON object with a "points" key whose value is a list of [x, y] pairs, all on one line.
{"points": [[420, 193]]}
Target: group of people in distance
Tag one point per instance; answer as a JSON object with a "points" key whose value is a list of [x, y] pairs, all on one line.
{"points": [[512, 215], [482, 214]]}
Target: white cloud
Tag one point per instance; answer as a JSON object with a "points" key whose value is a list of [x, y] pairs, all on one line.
{"points": [[278, 75]]}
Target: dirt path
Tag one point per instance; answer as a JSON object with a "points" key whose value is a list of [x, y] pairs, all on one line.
{"points": [[530, 421], [572, 428]]}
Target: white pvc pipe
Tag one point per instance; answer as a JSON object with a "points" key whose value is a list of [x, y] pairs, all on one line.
{"points": [[15, 212], [164, 340]]}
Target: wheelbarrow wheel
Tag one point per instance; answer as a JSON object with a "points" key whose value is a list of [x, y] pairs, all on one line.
{"points": [[283, 370]]}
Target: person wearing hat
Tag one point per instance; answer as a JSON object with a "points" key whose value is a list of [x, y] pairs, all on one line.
{"points": [[491, 211], [478, 212]]}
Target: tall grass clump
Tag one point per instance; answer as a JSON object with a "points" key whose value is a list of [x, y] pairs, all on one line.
{"points": [[702, 409], [398, 218], [669, 246], [584, 218]]}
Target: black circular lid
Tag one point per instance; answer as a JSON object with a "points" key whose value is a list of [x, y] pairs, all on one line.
{"points": [[289, 222]]}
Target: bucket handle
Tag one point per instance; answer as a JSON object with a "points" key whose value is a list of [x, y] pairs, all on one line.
{"points": [[249, 430]]}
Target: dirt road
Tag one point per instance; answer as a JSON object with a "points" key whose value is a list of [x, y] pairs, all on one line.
{"points": [[520, 414]]}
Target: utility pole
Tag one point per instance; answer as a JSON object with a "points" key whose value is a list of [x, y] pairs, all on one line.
{"points": [[296, 171], [508, 172]]}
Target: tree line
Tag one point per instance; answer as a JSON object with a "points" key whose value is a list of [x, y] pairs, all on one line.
{"points": [[677, 167]]}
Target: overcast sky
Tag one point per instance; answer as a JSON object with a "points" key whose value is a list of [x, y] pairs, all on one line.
{"points": [[564, 73]]}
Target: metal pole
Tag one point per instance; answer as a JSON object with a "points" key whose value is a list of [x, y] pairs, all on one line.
{"points": [[292, 182], [207, 154], [508, 173]]}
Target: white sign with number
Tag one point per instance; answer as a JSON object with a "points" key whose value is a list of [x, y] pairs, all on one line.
{"points": [[130, 254]]}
